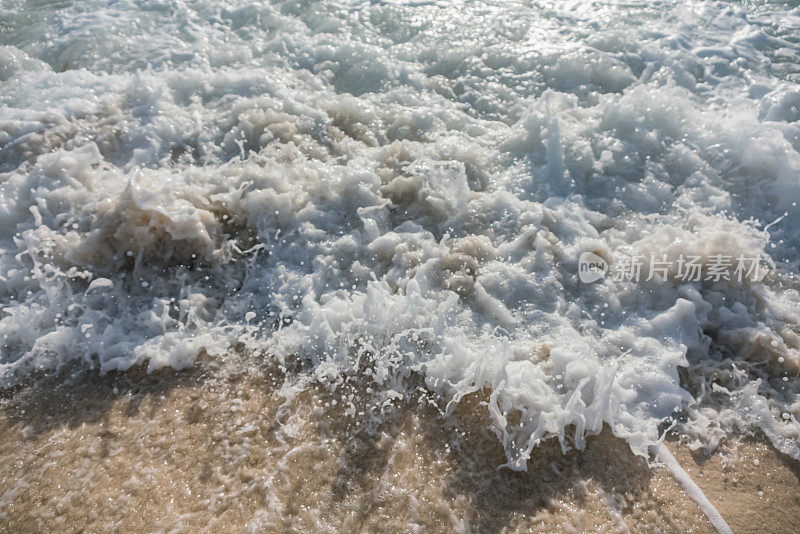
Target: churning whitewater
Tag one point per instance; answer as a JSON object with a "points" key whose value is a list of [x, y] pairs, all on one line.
{"points": [[396, 195]]}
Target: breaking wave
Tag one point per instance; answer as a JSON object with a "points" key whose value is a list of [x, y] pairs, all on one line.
{"points": [[396, 195]]}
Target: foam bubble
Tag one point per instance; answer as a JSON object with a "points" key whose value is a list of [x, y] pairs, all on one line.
{"points": [[397, 194]]}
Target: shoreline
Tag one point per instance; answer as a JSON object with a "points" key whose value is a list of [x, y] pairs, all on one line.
{"points": [[186, 450]]}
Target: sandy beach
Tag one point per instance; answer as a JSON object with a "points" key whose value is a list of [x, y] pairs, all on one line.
{"points": [[400, 266], [221, 451]]}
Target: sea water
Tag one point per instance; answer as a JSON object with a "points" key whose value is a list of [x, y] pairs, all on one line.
{"points": [[394, 198]]}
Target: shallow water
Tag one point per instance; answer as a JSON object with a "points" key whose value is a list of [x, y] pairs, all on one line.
{"points": [[213, 448], [389, 200], [188, 451]]}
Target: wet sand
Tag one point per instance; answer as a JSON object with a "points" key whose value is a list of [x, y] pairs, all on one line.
{"points": [[225, 450]]}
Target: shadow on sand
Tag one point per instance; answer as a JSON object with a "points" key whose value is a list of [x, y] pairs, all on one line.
{"points": [[225, 436]]}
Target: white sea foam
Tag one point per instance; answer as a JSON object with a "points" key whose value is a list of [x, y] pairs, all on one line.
{"points": [[399, 192]]}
